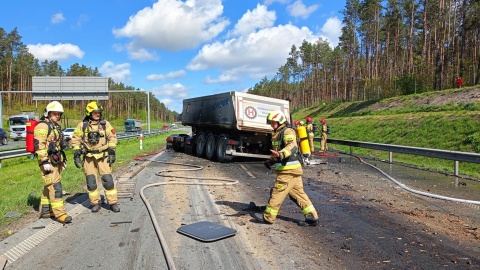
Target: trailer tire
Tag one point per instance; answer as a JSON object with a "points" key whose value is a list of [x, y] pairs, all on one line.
{"points": [[200, 142], [222, 149], [210, 147]]}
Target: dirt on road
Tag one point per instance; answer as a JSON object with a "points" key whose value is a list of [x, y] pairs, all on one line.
{"points": [[366, 220]]}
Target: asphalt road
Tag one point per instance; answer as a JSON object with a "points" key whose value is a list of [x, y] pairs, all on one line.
{"points": [[366, 222]]}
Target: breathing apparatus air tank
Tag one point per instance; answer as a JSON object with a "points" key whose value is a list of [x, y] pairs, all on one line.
{"points": [[303, 137], [29, 142]]}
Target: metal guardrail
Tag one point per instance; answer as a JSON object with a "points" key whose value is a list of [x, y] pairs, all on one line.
{"points": [[456, 156], [22, 152]]}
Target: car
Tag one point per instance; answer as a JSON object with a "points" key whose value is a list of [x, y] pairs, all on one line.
{"points": [[3, 136], [68, 133], [165, 128]]}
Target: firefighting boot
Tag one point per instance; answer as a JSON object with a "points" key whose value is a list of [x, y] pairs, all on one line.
{"points": [[64, 219], [46, 211], [309, 221], [114, 207], [47, 215], [96, 208], [260, 219]]}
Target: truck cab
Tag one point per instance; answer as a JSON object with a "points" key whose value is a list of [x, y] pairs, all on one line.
{"points": [[18, 125], [133, 125]]}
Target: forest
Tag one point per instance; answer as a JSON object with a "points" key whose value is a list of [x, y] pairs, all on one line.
{"points": [[18, 66], [387, 48]]}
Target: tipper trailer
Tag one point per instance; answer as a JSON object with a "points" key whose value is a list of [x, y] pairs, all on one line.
{"points": [[231, 124]]}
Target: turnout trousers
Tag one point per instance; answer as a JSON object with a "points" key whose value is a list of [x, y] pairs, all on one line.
{"points": [[310, 142], [99, 166], [288, 184], [52, 195], [323, 142]]}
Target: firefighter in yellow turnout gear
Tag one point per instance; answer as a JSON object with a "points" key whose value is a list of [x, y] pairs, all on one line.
{"points": [[324, 130], [51, 159], [310, 135], [286, 164], [94, 142]]}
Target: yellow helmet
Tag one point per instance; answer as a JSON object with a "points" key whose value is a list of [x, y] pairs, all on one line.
{"points": [[93, 107], [53, 106], [276, 116]]}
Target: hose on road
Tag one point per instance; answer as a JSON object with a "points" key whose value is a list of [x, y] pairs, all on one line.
{"points": [[189, 167], [423, 193]]}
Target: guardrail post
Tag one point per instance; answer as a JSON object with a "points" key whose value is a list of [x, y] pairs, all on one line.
{"points": [[390, 157], [351, 150], [455, 170]]}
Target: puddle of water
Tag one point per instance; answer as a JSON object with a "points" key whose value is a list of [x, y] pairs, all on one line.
{"points": [[421, 180]]}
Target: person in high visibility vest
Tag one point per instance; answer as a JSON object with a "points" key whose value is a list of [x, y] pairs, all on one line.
{"points": [[286, 164], [96, 140], [51, 160]]}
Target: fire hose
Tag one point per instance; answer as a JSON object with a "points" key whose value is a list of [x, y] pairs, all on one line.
{"points": [[161, 238]]}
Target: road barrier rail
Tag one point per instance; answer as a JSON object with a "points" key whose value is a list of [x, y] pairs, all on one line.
{"points": [[22, 152]]}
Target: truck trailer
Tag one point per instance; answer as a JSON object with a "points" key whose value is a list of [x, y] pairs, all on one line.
{"points": [[231, 124]]}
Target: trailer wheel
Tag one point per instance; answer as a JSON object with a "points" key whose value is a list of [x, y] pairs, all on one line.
{"points": [[210, 147], [200, 144], [222, 149]]}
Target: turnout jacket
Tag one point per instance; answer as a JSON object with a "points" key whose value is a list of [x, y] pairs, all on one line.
{"points": [[107, 138], [284, 140], [42, 139]]}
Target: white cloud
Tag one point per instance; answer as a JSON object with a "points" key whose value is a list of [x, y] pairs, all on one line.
{"points": [[82, 19], [176, 90], [57, 52], [251, 21], [171, 95], [332, 30], [57, 18], [174, 24], [119, 73], [168, 76], [298, 9], [256, 55]]}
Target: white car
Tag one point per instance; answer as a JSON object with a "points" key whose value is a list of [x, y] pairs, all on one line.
{"points": [[68, 133]]}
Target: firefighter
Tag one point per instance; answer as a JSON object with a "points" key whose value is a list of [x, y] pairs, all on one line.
{"points": [[94, 142], [284, 160], [48, 139], [296, 124], [324, 130], [311, 134]]}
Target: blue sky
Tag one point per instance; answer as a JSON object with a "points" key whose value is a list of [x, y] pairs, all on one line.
{"points": [[175, 49]]}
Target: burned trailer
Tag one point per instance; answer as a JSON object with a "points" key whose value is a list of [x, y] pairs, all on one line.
{"points": [[231, 124]]}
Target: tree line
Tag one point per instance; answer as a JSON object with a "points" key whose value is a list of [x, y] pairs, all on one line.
{"points": [[18, 66], [387, 48]]}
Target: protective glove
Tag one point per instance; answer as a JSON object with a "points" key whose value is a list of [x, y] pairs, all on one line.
{"points": [[268, 164], [111, 156], [76, 158], [47, 167]]}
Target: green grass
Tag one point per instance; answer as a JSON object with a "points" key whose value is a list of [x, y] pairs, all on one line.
{"points": [[448, 127], [21, 183]]}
